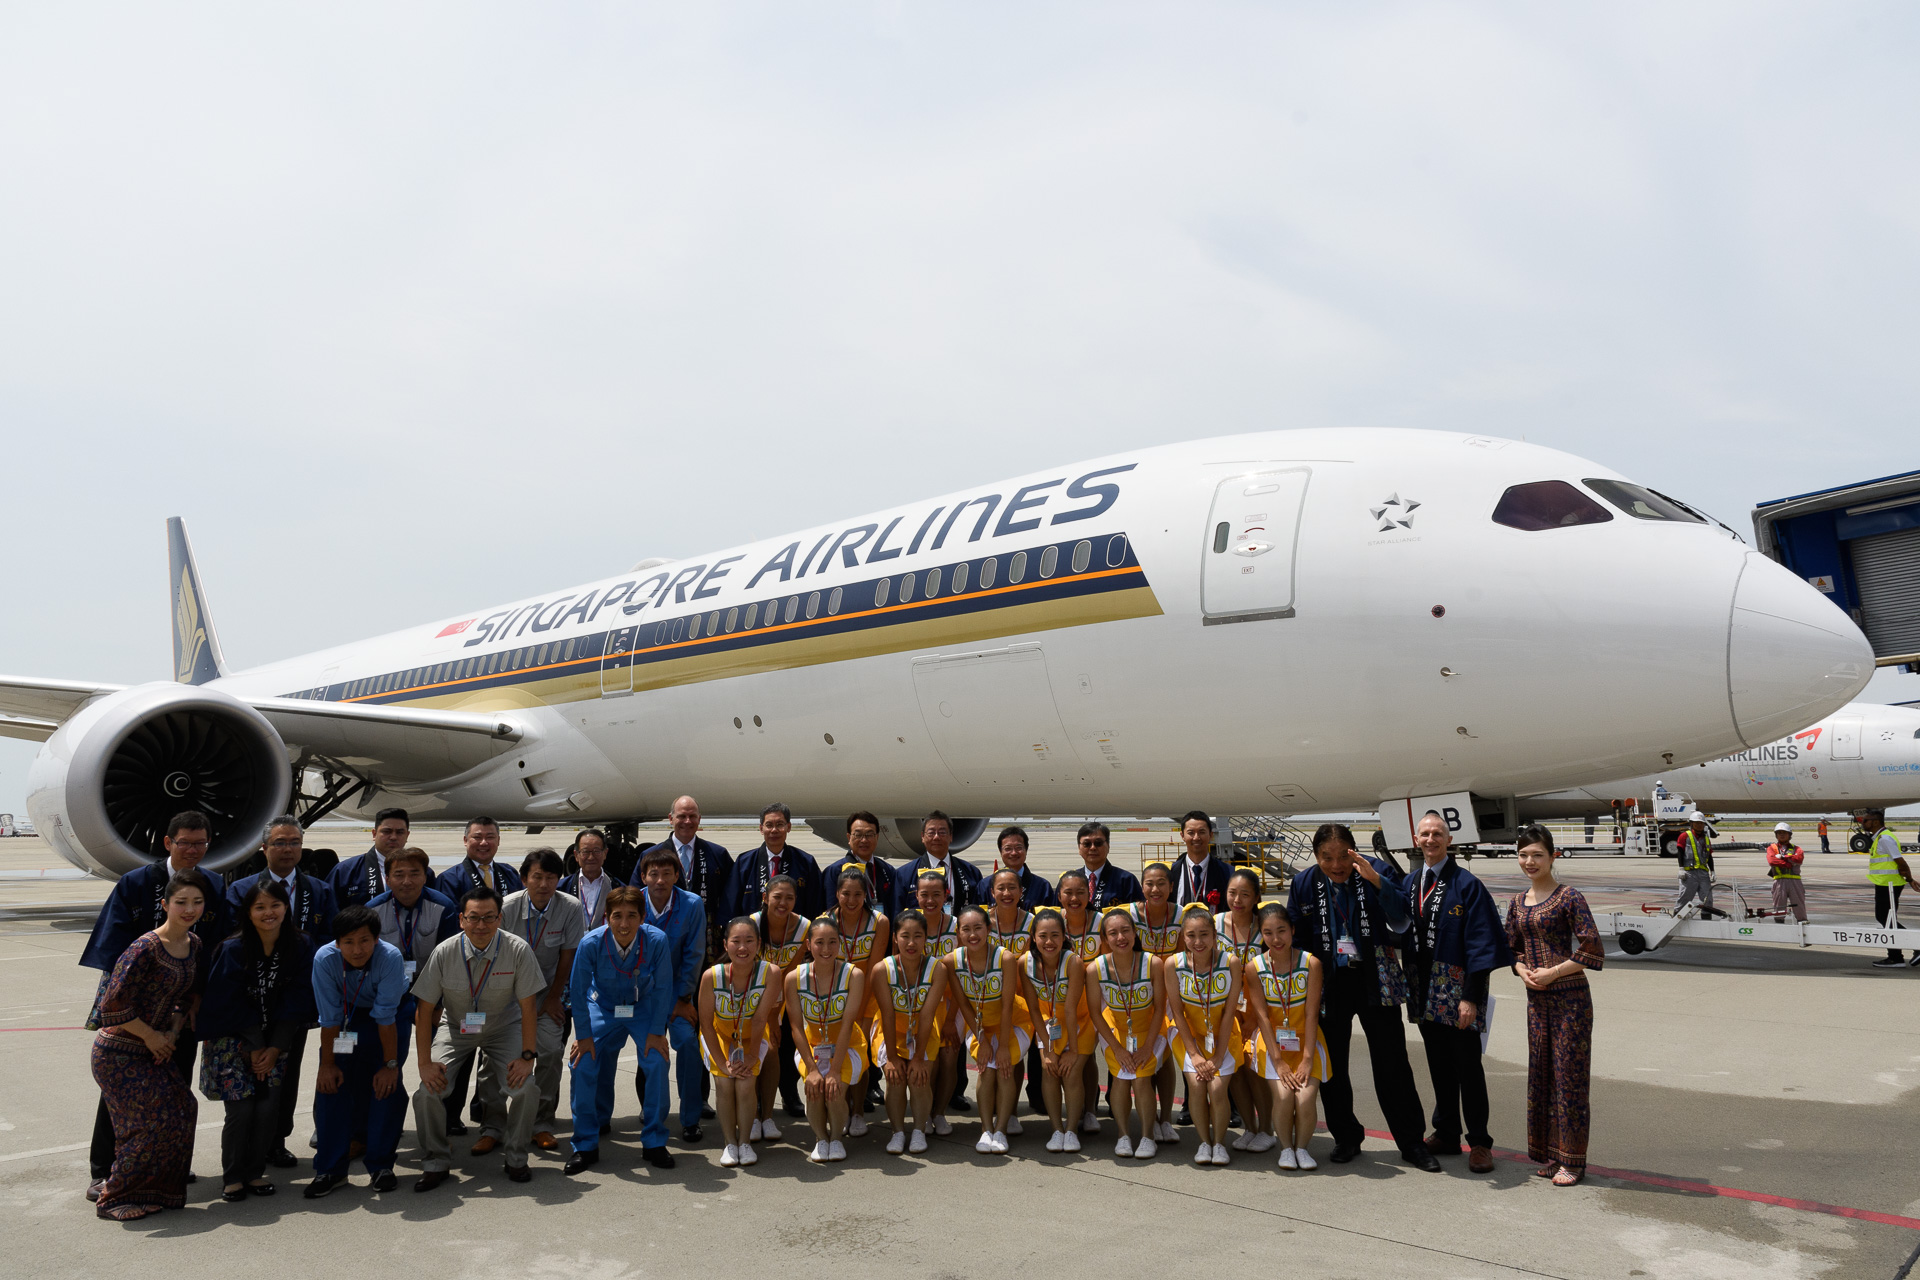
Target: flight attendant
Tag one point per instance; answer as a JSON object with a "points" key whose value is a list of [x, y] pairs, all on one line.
{"points": [[621, 988], [1082, 924], [1239, 929], [1123, 986], [1283, 995], [824, 997], [1053, 985], [998, 1023], [739, 998], [1203, 993], [943, 938], [864, 935], [902, 983], [783, 944], [1156, 917]]}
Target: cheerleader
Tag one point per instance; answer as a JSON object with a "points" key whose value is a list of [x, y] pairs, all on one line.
{"points": [[824, 998], [999, 1026], [901, 984], [1008, 922], [783, 938], [943, 937], [738, 1002], [1157, 920], [1239, 930], [1283, 994], [863, 943], [1123, 986], [1203, 992], [1083, 944], [1052, 982]]}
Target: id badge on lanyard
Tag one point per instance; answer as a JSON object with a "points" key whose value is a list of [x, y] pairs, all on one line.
{"points": [[345, 1041], [1347, 947], [473, 1023]]}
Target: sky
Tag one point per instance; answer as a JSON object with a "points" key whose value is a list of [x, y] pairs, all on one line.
{"points": [[410, 309]]}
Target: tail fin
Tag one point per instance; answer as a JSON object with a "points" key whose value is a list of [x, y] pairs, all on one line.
{"points": [[196, 649]]}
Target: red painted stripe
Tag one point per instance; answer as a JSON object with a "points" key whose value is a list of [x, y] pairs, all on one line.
{"points": [[1709, 1189]]}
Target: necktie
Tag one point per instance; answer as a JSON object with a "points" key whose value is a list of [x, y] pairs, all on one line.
{"points": [[773, 863]]}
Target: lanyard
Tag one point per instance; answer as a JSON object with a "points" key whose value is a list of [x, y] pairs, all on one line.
{"points": [[723, 976], [822, 1003], [347, 1003], [1054, 986], [1342, 913], [534, 939], [407, 917], [1128, 984], [632, 974], [466, 958]]}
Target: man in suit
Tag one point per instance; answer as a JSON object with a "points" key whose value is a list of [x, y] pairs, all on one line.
{"points": [[359, 880], [310, 910], [1201, 876], [591, 882], [478, 869], [134, 907], [1034, 890], [1107, 885], [747, 886], [863, 837], [963, 878], [706, 869]]}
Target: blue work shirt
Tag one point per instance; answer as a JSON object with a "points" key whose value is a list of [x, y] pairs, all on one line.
{"points": [[598, 987], [684, 923], [375, 991]]}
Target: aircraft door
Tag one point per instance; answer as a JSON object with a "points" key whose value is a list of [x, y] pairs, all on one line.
{"points": [[1253, 528], [1846, 739], [616, 665]]}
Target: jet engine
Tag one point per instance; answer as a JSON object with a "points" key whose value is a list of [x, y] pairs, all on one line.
{"points": [[899, 837], [105, 784]]}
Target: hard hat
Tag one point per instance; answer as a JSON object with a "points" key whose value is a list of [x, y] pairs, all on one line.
{"points": [[1696, 816], [1784, 826]]}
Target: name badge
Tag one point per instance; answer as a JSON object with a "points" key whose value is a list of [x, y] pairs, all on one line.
{"points": [[1288, 1040], [1209, 1044], [910, 1048], [409, 968], [345, 1041], [1348, 948], [473, 1023], [623, 1011], [822, 1055], [1054, 1030], [737, 1056], [1133, 1042]]}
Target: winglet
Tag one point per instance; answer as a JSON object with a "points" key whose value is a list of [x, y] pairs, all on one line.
{"points": [[196, 650]]}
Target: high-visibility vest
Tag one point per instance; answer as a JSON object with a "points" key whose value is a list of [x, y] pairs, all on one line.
{"points": [[1882, 859], [1777, 871], [1696, 854]]}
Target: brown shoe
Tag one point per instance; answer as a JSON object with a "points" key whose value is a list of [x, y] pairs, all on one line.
{"points": [[546, 1141], [1439, 1148], [485, 1145], [1480, 1160]]}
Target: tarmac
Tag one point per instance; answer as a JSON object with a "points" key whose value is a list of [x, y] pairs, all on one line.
{"points": [[1752, 1116]]}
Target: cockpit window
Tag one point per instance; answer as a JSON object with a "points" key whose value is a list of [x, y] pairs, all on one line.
{"points": [[1547, 504], [1644, 504]]}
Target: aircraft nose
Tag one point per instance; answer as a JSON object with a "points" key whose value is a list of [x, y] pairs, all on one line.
{"points": [[1792, 657]]}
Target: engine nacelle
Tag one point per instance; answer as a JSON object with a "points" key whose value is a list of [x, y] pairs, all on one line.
{"points": [[105, 784], [899, 837]]}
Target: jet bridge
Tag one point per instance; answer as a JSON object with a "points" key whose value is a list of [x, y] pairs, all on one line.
{"points": [[1860, 545]]}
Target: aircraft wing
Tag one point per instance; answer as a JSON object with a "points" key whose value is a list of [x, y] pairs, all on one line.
{"points": [[32, 709]]}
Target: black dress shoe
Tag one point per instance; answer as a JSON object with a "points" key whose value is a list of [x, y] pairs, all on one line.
{"points": [[658, 1157], [283, 1159], [795, 1108], [261, 1189], [322, 1184], [706, 1113], [429, 1180], [233, 1195], [1344, 1153], [192, 1177], [457, 1128], [384, 1181], [1421, 1158], [1185, 1118], [606, 1128], [581, 1161], [692, 1133], [519, 1173], [959, 1103]]}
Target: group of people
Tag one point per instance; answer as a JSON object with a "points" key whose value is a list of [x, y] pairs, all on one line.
{"points": [[766, 985]]}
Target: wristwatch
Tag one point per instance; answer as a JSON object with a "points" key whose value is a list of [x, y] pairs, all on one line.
{"points": [[528, 1055], [392, 1064]]}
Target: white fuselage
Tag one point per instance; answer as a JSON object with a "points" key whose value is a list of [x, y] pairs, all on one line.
{"points": [[1393, 641], [1866, 756]]}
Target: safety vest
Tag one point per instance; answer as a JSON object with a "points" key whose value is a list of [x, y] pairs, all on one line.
{"points": [[1779, 871], [1695, 853], [1882, 865]]}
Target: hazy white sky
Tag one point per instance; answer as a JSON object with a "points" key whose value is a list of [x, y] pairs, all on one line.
{"points": [[410, 309]]}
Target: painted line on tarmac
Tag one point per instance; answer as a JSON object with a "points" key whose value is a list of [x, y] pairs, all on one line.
{"points": [[78, 1146], [1709, 1189]]}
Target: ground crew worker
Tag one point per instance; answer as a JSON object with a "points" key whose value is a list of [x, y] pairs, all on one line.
{"points": [[1783, 864], [1887, 872], [1825, 847], [1696, 867]]}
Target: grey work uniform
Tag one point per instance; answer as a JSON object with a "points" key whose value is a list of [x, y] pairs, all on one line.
{"points": [[559, 928], [490, 982]]}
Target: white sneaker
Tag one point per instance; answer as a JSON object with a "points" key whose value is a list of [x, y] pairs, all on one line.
{"points": [[1287, 1160], [857, 1126], [1124, 1147], [1204, 1155], [748, 1155], [730, 1158], [1147, 1150], [1167, 1133], [916, 1142], [835, 1151], [1014, 1127], [1056, 1141], [819, 1153], [769, 1130], [1304, 1160], [897, 1143], [941, 1127], [1069, 1141], [999, 1144], [1220, 1154], [985, 1145], [1089, 1123], [758, 1130], [1261, 1142]]}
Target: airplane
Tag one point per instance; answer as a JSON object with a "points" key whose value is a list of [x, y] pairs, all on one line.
{"points": [[1864, 756], [1281, 622]]}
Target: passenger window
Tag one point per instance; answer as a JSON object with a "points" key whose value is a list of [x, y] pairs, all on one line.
{"points": [[813, 604], [988, 568], [1642, 503], [959, 579], [1082, 556], [1049, 561], [906, 587], [659, 633], [713, 622], [733, 617], [833, 602], [1116, 550], [753, 614], [1017, 567], [793, 607], [1547, 504], [693, 628], [933, 583], [569, 647], [880, 591]]}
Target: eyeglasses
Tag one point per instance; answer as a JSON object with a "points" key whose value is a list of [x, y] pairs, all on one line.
{"points": [[490, 918], [284, 844], [190, 844]]}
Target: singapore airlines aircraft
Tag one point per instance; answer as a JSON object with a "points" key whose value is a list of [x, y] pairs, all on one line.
{"points": [[1279, 622], [1866, 756]]}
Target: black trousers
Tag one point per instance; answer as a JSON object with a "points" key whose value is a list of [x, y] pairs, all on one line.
{"points": [[1349, 994], [1459, 1084], [250, 1136], [290, 1085], [1886, 902], [100, 1155]]}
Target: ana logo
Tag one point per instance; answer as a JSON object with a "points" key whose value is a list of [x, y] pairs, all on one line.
{"points": [[1395, 513], [454, 629]]}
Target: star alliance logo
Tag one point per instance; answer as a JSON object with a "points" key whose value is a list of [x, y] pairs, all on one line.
{"points": [[1395, 513]]}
